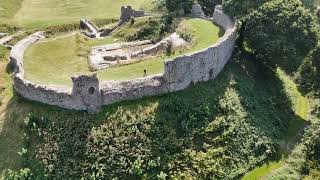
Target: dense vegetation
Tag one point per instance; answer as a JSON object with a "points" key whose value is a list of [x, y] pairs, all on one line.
{"points": [[220, 129], [217, 129]]}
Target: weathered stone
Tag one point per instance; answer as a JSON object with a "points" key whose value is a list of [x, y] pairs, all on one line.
{"points": [[181, 12], [86, 88], [127, 12], [103, 57], [90, 94], [3, 34], [87, 24], [197, 10]]}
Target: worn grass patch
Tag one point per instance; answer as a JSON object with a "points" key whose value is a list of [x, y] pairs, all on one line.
{"points": [[55, 61]]}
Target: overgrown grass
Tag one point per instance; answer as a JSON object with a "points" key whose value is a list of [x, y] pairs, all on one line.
{"points": [[296, 125], [261, 172], [55, 61], [11, 133]]}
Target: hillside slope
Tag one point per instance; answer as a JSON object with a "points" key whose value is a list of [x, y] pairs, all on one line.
{"points": [[219, 129], [37, 13]]}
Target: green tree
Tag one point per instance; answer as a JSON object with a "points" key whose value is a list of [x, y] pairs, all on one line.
{"points": [[174, 5], [309, 78], [241, 8], [209, 5], [311, 4], [281, 32]]}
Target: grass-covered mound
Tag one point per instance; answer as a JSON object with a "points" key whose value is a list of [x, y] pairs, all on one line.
{"points": [[36, 13], [54, 61], [219, 129]]}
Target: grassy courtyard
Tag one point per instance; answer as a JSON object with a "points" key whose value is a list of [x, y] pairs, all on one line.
{"points": [[55, 61], [37, 13]]}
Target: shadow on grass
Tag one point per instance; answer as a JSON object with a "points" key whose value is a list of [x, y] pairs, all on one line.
{"points": [[221, 128]]}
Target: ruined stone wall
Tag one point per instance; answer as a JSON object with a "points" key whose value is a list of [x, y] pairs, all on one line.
{"points": [[181, 72], [58, 96], [88, 93], [205, 64], [115, 91]]}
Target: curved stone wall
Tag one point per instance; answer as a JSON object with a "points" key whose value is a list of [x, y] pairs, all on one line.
{"points": [[88, 93]]}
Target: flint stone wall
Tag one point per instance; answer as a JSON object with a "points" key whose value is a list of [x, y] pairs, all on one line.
{"points": [[205, 64], [53, 95], [88, 93]]}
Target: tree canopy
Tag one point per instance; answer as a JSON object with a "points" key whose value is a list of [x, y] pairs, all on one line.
{"points": [[281, 32]]}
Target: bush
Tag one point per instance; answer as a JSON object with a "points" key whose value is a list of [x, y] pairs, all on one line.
{"points": [[3, 52], [8, 28], [58, 29], [142, 29], [185, 32], [22, 174], [208, 6], [173, 6]]}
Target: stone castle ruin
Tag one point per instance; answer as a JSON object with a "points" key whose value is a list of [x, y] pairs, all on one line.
{"points": [[103, 57], [90, 93], [127, 12]]}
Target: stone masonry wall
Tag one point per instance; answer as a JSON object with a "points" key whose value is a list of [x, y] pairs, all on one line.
{"points": [[205, 64], [88, 93], [58, 96]]}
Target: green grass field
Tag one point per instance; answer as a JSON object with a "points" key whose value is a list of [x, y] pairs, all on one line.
{"points": [[36, 13], [55, 61]]}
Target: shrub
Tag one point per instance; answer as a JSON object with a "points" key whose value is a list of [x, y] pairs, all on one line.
{"points": [[23, 174], [142, 29], [185, 32], [208, 6]]}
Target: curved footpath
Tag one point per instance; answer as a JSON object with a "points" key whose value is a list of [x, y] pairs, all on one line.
{"points": [[88, 93]]}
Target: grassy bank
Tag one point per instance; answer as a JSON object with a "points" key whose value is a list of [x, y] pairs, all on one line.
{"points": [[301, 109], [179, 135], [55, 61], [36, 13]]}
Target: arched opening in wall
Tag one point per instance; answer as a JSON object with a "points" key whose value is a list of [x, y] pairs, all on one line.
{"points": [[91, 90]]}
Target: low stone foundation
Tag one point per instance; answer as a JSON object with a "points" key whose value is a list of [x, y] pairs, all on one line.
{"points": [[103, 57], [90, 93]]}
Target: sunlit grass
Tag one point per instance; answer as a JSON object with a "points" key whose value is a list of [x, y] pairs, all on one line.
{"points": [[35, 13], [54, 62], [301, 108]]}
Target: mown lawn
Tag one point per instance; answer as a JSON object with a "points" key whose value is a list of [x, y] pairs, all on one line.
{"points": [[35, 13], [54, 62]]}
